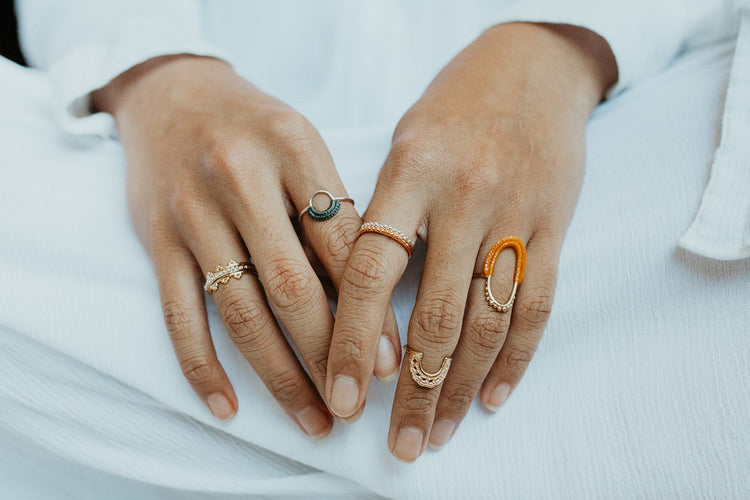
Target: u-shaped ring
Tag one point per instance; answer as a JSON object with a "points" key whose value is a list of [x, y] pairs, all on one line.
{"points": [[489, 269], [420, 376]]}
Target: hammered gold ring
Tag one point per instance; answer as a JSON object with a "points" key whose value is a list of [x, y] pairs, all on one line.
{"points": [[222, 274], [390, 232], [489, 269], [420, 376]]}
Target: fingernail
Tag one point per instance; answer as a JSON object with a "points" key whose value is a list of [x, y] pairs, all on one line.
{"points": [[386, 367], [220, 406], [441, 433], [344, 396], [498, 397], [314, 422], [408, 444]]}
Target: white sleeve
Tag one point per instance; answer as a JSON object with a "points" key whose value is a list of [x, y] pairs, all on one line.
{"points": [[644, 35], [84, 44]]}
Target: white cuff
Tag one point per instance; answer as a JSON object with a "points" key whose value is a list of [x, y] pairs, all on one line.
{"points": [[644, 35], [90, 67]]}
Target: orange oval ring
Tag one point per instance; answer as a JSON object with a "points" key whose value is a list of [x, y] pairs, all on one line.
{"points": [[494, 253]]}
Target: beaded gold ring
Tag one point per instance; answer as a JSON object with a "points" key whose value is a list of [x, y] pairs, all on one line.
{"points": [[222, 274], [420, 376], [489, 269], [390, 232]]}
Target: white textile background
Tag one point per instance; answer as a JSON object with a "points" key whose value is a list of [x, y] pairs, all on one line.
{"points": [[639, 388]]}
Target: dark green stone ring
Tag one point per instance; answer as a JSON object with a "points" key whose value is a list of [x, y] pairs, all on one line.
{"points": [[322, 215]]}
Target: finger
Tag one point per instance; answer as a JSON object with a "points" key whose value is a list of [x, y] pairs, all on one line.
{"points": [[375, 266], [483, 333], [433, 330], [332, 240], [181, 292], [291, 286], [528, 320], [253, 329]]}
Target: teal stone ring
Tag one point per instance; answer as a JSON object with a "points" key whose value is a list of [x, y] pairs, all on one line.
{"points": [[322, 215]]}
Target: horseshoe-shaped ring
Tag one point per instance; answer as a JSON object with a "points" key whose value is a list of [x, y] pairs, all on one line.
{"points": [[323, 215], [420, 376], [489, 269]]}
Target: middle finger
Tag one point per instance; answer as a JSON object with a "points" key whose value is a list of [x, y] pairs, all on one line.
{"points": [[433, 330]]}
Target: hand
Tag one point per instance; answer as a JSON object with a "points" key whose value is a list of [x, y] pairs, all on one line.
{"points": [[495, 147], [216, 169]]}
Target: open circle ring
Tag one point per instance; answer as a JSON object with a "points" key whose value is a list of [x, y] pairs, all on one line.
{"points": [[323, 215]]}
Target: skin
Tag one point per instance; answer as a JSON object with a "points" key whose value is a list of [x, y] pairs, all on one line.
{"points": [[218, 170], [494, 147]]}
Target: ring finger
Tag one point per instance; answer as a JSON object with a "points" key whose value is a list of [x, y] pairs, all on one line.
{"points": [[252, 327]]}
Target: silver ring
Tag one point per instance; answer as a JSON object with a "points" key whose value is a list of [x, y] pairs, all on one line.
{"points": [[323, 215]]}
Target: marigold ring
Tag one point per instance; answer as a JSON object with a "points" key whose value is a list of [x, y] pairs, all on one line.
{"points": [[390, 232], [222, 274], [322, 215], [420, 376], [489, 269]]}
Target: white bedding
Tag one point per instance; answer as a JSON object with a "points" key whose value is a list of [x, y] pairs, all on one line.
{"points": [[639, 388]]}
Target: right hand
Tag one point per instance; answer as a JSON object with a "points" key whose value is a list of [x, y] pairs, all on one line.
{"points": [[216, 168]]}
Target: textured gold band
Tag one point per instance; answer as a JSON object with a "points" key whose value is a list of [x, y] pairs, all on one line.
{"points": [[420, 376], [222, 274], [390, 232]]}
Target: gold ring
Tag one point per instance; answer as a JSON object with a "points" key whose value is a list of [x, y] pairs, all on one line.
{"points": [[489, 269], [222, 274], [420, 376], [390, 232]]}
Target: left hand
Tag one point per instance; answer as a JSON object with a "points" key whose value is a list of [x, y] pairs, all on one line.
{"points": [[495, 147]]}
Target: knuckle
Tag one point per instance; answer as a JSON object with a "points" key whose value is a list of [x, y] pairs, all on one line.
{"points": [[458, 398], [245, 318], [289, 284], [286, 386], [439, 318], [339, 239], [367, 272], [351, 348], [418, 401], [180, 319], [477, 179], [198, 369], [488, 333], [185, 206], [516, 358], [293, 132], [223, 162], [536, 308], [410, 158]]}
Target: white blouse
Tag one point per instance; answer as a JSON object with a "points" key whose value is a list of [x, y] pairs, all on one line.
{"points": [[364, 63]]}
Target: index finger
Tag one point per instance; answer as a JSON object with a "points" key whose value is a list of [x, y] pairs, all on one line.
{"points": [[377, 261]]}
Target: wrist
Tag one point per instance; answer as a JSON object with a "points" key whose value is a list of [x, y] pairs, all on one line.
{"points": [[574, 60], [167, 69]]}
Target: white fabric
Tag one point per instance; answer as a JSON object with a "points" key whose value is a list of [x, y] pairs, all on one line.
{"points": [[722, 226], [339, 48], [639, 388]]}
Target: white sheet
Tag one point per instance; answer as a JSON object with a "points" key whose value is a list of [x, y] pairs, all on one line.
{"points": [[639, 387]]}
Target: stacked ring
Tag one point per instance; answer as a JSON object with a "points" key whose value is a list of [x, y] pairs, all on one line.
{"points": [[489, 269], [390, 232], [328, 213], [222, 274]]}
